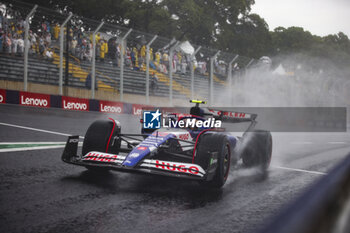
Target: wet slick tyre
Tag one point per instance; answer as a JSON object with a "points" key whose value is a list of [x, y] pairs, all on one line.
{"points": [[99, 137], [257, 150], [218, 143]]}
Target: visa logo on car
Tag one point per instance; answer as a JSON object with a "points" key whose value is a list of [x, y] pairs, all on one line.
{"points": [[175, 167]]}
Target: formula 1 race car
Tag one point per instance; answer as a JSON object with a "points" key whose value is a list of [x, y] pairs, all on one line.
{"points": [[198, 150]]}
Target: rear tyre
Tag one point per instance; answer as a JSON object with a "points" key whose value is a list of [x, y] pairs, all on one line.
{"points": [[210, 143], [257, 149], [101, 137]]}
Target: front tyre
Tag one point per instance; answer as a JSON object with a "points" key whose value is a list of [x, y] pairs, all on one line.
{"points": [[257, 149], [214, 143], [102, 136]]}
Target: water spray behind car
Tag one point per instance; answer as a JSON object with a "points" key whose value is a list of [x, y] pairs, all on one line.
{"points": [[291, 81]]}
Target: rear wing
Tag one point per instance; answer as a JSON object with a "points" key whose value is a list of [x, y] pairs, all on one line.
{"points": [[233, 117]]}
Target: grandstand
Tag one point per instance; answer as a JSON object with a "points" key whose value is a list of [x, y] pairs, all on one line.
{"points": [[44, 58]]}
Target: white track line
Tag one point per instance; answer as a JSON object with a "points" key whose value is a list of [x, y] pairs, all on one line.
{"points": [[39, 130], [337, 142], [31, 148], [53, 146], [301, 143], [300, 170], [39, 143]]}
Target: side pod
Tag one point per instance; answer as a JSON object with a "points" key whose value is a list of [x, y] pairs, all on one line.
{"points": [[71, 149]]}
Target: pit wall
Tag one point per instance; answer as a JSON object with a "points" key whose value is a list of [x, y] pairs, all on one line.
{"points": [[86, 94]]}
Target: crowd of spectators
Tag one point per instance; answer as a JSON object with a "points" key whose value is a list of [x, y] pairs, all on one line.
{"points": [[44, 36], [12, 37]]}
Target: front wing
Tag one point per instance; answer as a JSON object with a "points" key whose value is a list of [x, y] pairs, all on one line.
{"points": [[150, 166]]}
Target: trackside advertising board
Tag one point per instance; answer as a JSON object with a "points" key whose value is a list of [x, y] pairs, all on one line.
{"points": [[70, 103], [111, 107], [138, 108], [34, 99], [2, 96], [77, 104]]}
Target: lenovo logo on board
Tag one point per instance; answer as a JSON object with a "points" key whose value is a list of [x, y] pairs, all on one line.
{"points": [[2, 96], [111, 107], [138, 108], [75, 104], [34, 100]]}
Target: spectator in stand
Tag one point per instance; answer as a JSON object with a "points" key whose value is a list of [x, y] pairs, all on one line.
{"points": [[165, 59], [48, 39], [48, 27], [89, 51], [73, 46], [142, 55], [136, 54], [48, 54], [127, 57], [41, 45], [1, 37], [33, 44], [104, 49], [1, 21], [97, 38], [56, 31], [117, 55], [14, 45], [202, 67], [175, 62], [98, 50], [183, 67], [158, 55], [44, 27], [19, 31], [151, 57], [20, 46], [133, 57], [8, 43]]}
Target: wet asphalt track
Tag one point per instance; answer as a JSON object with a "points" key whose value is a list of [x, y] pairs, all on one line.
{"points": [[39, 193]]}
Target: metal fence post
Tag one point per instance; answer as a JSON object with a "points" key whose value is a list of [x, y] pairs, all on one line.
{"points": [[249, 63], [26, 48], [93, 70], [147, 67], [192, 71], [230, 78], [211, 78], [60, 81], [122, 64], [171, 52]]}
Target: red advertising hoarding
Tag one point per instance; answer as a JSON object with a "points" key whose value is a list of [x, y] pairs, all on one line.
{"points": [[77, 104], [138, 108], [34, 99], [2, 96], [111, 107]]}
